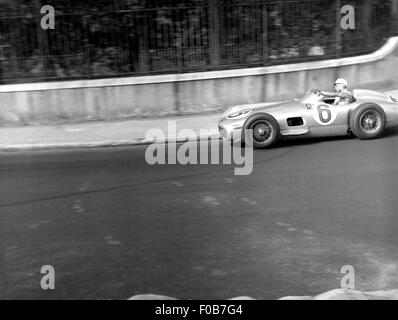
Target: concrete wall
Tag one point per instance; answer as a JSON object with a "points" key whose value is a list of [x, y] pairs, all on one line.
{"points": [[109, 99]]}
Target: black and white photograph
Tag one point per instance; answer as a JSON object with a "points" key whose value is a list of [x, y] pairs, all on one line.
{"points": [[207, 150]]}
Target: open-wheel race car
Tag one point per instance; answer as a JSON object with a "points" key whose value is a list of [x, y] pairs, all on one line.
{"points": [[313, 115]]}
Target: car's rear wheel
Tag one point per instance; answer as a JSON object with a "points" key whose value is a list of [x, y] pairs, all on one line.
{"points": [[262, 130], [368, 121]]}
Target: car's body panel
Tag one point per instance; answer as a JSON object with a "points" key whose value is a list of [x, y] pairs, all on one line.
{"points": [[319, 119]]}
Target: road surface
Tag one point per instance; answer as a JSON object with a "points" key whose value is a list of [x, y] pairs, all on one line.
{"points": [[113, 226]]}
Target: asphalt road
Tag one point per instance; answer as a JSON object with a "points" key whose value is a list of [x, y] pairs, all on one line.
{"points": [[113, 226]]}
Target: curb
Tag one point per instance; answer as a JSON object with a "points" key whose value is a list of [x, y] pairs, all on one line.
{"points": [[100, 144]]}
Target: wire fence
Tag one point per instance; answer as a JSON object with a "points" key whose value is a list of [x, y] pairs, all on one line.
{"points": [[94, 39]]}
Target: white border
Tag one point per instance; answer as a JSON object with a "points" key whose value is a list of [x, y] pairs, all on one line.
{"points": [[381, 53]]}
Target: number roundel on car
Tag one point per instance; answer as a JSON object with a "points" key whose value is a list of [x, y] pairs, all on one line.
{"points": [[324, 114]]}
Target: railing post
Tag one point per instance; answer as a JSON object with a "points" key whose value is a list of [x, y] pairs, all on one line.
{"points": [[395, 17], [265, 33], [13, 52], [179, 47], [338, 29], [214, 33], [143, 48], [366, 22], [42, 38]]}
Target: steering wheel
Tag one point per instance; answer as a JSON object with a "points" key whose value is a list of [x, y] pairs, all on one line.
{"points": [[317, 92]]}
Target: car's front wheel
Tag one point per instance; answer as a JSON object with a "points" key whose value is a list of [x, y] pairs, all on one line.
{"points": [[368, 121], [262, 130]]}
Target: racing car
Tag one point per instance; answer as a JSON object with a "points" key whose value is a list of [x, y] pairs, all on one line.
{"points": [[312, 115]]}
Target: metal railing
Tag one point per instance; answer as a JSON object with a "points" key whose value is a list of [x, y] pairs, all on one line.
{"points": [[95, 39]]}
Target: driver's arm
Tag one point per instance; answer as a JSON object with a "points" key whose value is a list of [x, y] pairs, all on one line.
{"points": [[329, 94]]}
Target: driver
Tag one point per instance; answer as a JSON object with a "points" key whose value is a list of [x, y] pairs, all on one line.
{"points": [[342, 95]]}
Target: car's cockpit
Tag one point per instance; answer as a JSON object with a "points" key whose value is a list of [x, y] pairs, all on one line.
{"points": [[316, 95]]}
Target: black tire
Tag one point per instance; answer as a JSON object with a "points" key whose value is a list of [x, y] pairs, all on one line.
{"points": [[253, 129], [368, 121]]}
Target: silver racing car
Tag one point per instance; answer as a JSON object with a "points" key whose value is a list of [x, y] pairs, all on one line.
{"points": [[312, 115]]}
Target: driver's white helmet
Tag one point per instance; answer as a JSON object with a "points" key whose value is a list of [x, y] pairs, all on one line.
{"points": [[341, 81]]}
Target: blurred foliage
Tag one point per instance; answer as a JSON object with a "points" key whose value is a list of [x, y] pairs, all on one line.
{"points": [[101, 38]]}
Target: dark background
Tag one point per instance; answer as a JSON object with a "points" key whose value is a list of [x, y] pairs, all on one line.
{"points": [[98, 38]]}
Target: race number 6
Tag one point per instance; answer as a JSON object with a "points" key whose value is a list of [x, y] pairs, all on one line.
{"points": [[324, 114]]}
